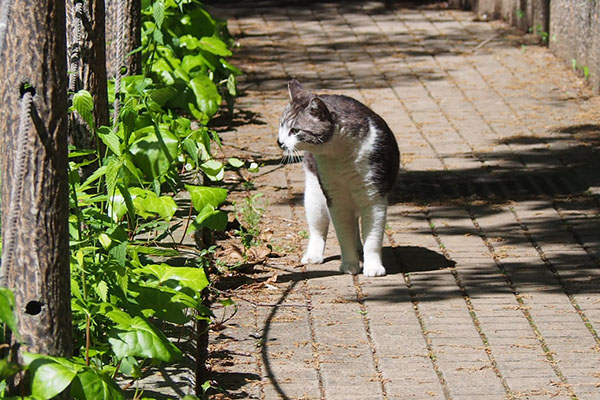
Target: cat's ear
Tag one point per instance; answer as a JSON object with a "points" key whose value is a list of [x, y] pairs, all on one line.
{"points": [[317, 108], [296, 90]]}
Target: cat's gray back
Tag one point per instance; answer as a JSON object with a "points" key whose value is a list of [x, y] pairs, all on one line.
{"points": [[356, 119]]}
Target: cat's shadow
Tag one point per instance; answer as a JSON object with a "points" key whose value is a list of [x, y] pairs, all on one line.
{"points": [[397, 260], [406, 259]]}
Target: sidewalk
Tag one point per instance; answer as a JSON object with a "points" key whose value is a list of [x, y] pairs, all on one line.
{"points": [[492, 246]]}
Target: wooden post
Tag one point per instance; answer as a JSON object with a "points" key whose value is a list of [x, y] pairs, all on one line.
{"points": [[131, 17], [38, 270], [87, 57]]}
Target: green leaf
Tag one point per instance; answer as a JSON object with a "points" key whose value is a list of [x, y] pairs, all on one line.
{"points": [[189, 42], [136, 337], [135, 84], [202, 196], [156, 302], [116, 315], [215, 220], [104, 240], [232, 85], [213, 169], [163, 94], [153, 251], [191, 148], [130, 367], [147, 204], [208, 98], [205, 386], [117, 207], [158, 12], [158, 37], [80, 152], [7, 310], [83, 103], [111, 140], [112, 174], [97, 174], [203, 141], [235, 162], [128, 115], [92, 385], [154, 152], [50, 375], [119, 252], [7, 369], [163, 68], [196, 63], [191, 278], [102, 290], [214, 45]]}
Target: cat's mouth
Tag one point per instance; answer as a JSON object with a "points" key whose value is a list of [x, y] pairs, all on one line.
{"points": [[282, 145]]}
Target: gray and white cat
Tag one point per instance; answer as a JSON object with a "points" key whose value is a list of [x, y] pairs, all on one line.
{"points": [[351, 162]]}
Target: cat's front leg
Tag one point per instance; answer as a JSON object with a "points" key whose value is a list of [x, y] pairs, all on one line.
{"points": [[345, 225], [317, 215], [373, 226]]}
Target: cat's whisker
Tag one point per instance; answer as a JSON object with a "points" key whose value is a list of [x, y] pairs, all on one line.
{"points": [[290, 156], [297, 156]]}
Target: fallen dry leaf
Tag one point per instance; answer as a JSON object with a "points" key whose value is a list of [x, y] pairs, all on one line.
{"points": [[258, 254]]}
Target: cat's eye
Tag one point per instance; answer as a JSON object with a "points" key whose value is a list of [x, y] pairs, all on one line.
{"points": [[294, 131]]}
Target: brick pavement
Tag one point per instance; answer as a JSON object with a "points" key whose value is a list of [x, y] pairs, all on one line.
{"points": [[492, 243]]}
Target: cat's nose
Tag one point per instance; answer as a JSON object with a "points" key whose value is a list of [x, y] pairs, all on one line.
{"points": [[280, 144]]}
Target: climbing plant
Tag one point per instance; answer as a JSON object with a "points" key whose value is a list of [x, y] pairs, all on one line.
{"points": [[125, 290]]}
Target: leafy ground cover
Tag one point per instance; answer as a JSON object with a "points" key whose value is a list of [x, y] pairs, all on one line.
{"points": [[153, 172]]}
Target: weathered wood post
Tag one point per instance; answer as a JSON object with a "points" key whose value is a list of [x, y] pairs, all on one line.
{"points": [[87, 63], [123, 28], [33, 139]]}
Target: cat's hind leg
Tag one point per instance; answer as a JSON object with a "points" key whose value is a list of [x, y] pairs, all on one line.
{"points": [[317, 214], [373, 226]]}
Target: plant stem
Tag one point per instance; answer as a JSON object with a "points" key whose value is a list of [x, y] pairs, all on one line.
{"points": [[187, 223], [87, 340]]}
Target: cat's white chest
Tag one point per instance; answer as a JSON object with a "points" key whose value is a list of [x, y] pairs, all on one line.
{"points": [[346, 173]]}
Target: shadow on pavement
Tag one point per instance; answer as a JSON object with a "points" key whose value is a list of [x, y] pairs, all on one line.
{"points": [[267, 50]]}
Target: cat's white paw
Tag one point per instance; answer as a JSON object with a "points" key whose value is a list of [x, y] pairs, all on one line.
{"points": [[372, 270], [310, 258], [350, 268]]}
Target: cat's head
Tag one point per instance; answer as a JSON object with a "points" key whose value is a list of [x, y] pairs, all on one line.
{"points": [[306, 122]]}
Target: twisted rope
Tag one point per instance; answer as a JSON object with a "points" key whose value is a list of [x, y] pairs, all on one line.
{"points": [[16, 194], [121, 60], [76, 56]]}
